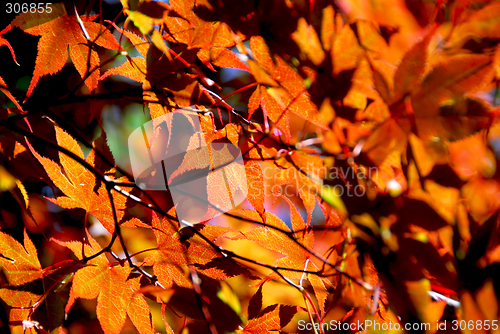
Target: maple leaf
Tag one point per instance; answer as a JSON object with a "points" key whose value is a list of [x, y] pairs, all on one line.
{"points": [[388, 138], [145, 14], [410, 72], [170, 257], [38, 302], [442, 199], [484, 23], [371, 39], [16, 299], [21, 267], [346, 52], [276, 112], [3, 41], [482, 198], [272, 318], [382, 80], [343, 78], [295, 257], [28, 314], [277, 102], [152, 69], [407, 78], [116, 295], [428, 147], [455, 76], [20, 264], [308, 41], [480, 306], [255, 304], [302, 171], [134, 68], [78, 183], [207, 177], [173, 255], [423, 159], [3, 85], [3, 89], [255, 181], [53, 46], [471, 157], [213, 39]]}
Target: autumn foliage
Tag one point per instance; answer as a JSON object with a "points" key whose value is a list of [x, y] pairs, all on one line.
{"points": [[370, 138]]}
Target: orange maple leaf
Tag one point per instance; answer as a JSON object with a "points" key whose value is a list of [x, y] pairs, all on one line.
{"points": [[272, 319], [302, 171], [3, 85], [78, 183], [19, 264], [455, 76], [135, 68], [117, 296], [277, 102], [37, 302], [295, 257], [170, 257], [3, 89], [53, 46], [3, 41], [226, 177], [255, 180], [212, 38], [173, 254], [152, 69]]}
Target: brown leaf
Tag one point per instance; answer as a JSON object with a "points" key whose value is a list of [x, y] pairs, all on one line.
{"points": [[255, 304]]}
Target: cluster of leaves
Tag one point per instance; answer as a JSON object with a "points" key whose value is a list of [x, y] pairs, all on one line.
{"points": [[380, 118]]}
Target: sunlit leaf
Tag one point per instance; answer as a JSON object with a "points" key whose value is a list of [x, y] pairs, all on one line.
{"points": [[471, 157], [20, 264], [272, 318], [52, 47], [78, 183], [446, 81]]}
